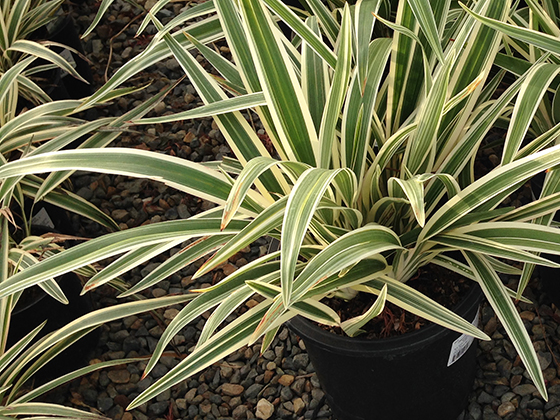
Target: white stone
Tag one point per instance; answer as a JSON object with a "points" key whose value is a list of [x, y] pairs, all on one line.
{"points": [[265, 409]]}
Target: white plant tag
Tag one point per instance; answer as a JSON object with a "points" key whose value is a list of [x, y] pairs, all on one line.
{"points": [[42, 218], [462, 344]]}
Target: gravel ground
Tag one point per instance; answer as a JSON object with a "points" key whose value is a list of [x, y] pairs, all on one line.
{"points": [[279, 383]]}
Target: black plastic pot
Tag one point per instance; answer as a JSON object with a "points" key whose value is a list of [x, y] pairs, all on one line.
{"points": [[65, 33], [58, 84], [35, 307], [44, 217], [550, 279], [406, 377]]}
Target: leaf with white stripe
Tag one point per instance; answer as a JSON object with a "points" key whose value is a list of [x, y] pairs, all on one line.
{"points": [[237, 103], [311, 38], [262, 225], [302, 203], [175, 172], [502, 304], [209, 298], [35, 49], [114, 244], [352, 326], [225, 342], [425, 16], [497, 248], [310, 309], [279, 83], [337, 93], [417, 303], [539, 39], [530, 96], [127, 262], [357, 245], [494, 185], [177, 261]]}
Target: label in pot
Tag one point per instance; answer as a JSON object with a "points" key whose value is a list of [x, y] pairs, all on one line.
{"points": [[42, 218], [462, 344]]}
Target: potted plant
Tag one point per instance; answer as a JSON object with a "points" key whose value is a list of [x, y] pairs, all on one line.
{"points": [[529, 38], [29, 356], [371, 177], [36, 206], [30, 347], [27, 57]]}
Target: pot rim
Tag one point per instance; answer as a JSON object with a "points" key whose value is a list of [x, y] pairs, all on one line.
{"points": [[406, 342]]}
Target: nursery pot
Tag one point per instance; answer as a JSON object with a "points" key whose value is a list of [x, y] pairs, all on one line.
{"points": [[35, 306], [44, 217], [425, 374], [550, 279], [65, 33], [57, 83]]}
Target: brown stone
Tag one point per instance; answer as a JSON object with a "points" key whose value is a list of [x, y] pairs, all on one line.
{"points": [[120, 215], [205, 408], [527, 315], [491, 326], [189, 396], [229, 269], [122, 400], [268, 375], [251, 303], [299, 405], [264, 409], [111, 191], [137, 324], [121, 376], [163, 204], [505, 409], [187, 281], [241, 262], [525, 389], [170, 313], [232, 389], [286, 380]]}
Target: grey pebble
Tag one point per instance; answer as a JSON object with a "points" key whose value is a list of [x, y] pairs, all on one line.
{"points": [[104, 404]]}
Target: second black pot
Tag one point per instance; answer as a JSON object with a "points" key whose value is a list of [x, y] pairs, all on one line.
{"points": [[426, 374], [35, 307], [550, 279]]}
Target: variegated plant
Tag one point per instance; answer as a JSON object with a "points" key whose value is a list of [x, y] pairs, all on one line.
{"points": [[19, 19], [371, 176], [20, 361], [532, 35], [46, 128]]}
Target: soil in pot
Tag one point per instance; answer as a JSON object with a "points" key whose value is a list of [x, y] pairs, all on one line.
{"points": [[424, 374]]}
